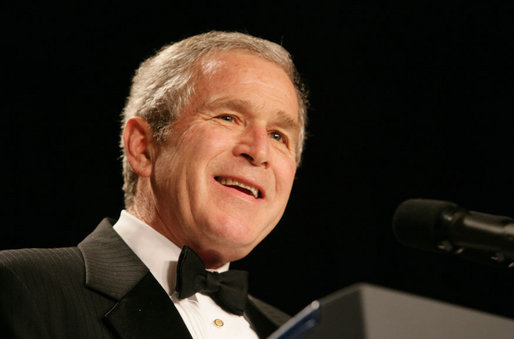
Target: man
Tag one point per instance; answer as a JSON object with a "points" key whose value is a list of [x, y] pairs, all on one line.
{"points": [[212, 134]]}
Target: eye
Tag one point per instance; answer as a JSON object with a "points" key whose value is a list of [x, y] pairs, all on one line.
{"points": [[228, 118], [278, 136]]}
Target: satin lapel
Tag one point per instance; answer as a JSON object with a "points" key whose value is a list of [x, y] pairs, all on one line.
{"points": [[141, 307], [147, 312]]}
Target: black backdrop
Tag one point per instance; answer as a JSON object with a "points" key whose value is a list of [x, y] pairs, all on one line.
{"points": [[407, 101]]}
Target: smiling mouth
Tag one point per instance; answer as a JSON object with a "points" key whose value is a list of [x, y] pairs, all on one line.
{"points": [[250, 190]]}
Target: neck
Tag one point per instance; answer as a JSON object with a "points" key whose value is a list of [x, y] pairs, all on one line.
{"points": [[144, 208], [211, 258]]}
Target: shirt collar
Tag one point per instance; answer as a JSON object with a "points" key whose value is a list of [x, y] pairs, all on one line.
{"points": [[156, 251]]}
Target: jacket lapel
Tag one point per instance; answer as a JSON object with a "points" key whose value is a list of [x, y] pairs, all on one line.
{"points": [[147, 312], [142, 308], [264, 318]]}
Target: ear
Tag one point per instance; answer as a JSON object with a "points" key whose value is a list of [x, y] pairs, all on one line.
{"points": [[138, 142]]}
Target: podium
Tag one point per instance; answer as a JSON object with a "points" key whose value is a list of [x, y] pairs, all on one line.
{"points": [[372, 312]]}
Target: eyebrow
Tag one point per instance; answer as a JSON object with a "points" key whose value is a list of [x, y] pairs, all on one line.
{"points": [[285, 121], [282, 119]]}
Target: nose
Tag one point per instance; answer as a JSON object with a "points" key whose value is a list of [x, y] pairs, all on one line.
{"points": [[253, 145]]}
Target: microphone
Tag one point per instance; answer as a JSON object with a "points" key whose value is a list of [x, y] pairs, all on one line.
{"points": [[445, 226]]}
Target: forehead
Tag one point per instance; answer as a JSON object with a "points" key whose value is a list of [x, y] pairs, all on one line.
{"points": [[237, 57], [244, 76]]}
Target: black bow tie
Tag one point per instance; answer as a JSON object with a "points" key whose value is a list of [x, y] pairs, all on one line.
{"points": [[228, 289]]}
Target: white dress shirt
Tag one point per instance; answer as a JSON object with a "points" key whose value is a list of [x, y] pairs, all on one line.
{"points": [[202, 316]]}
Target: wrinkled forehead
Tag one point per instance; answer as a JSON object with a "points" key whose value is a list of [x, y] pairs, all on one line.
{"points": [[211, 61], [240, 68]]}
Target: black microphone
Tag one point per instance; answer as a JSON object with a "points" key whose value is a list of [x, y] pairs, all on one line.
{"points": [[443, 225]]}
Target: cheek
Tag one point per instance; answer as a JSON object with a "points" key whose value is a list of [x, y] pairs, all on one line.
{"points": [[285, 175], [200, 148], [204, 141]]}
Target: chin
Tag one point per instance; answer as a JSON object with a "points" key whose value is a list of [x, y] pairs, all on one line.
{"points": [[228, 247], [215, 254], [238, 233], [228, 238]]}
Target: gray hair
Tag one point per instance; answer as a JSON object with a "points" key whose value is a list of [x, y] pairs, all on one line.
{"points": [[164, 83]]}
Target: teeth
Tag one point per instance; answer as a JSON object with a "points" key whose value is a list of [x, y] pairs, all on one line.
{"points": [[232, 182]]}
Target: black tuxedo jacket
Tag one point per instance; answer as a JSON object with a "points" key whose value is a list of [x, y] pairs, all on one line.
{"points": [[99, 289]]}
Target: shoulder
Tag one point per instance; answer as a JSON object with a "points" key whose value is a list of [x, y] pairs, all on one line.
{"points": [[32, 283], [38, 258], [32, 266]]}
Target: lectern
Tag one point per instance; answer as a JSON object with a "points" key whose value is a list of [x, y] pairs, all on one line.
{"points": [[372, 312]]}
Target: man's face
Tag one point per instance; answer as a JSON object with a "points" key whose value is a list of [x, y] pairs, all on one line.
{"points": [[223, 177]]}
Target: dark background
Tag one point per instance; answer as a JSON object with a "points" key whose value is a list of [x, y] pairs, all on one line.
{"points": [[407, 102]]}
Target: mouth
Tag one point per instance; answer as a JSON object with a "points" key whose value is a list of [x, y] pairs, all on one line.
{"points": [[245, 188]]}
